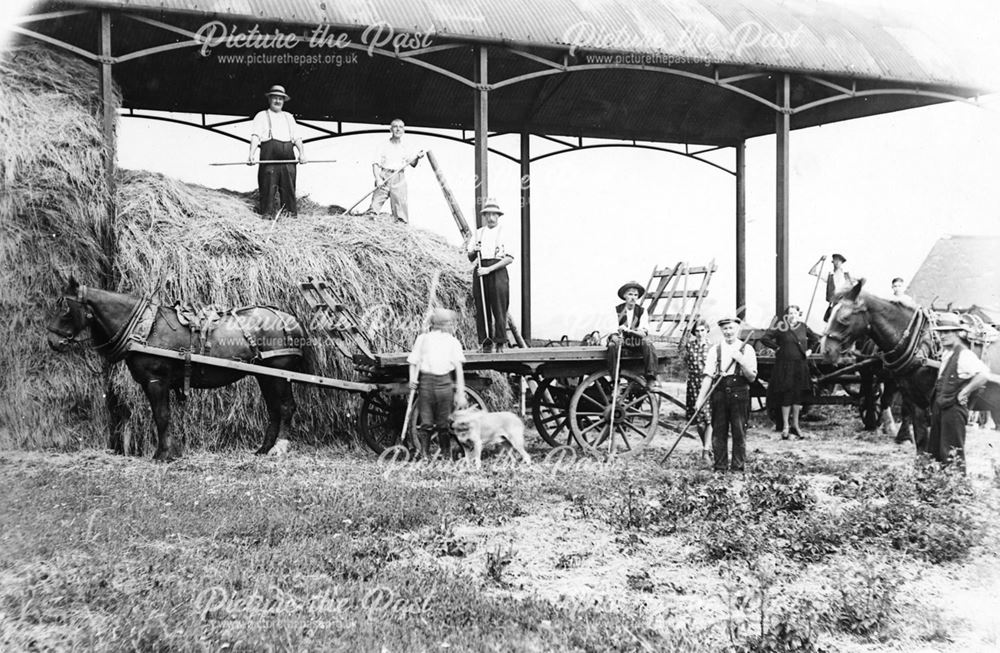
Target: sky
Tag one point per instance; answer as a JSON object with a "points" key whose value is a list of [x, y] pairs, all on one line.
{"points": [[879, 190]]}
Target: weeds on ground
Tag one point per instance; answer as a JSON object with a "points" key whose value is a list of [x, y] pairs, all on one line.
{"points": [[865, 597]]}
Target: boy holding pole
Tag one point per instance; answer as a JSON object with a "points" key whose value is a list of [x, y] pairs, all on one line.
{"points": [[437, 377]]}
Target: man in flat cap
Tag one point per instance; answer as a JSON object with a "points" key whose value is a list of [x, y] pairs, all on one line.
{"points": [[733, 364], [633, 332], [960, 374], [490, 281], [838, 281], [276, 133]]}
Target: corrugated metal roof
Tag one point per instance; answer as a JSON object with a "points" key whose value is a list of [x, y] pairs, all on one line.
{"points": [[819, 36]]}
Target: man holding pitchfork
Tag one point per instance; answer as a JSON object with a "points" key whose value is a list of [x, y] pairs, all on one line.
{"points": [[730, 367], [276, 133]]}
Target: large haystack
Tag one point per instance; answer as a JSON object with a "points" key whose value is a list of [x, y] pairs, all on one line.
{"points": [[52, 208], [182, 242]]}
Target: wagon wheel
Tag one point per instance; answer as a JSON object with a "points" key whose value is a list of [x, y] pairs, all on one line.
{"points": [[635, 420], [381, 420], [550, 410]]}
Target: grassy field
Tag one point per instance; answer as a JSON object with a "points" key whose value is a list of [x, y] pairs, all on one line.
{"points": [[837, 543]]}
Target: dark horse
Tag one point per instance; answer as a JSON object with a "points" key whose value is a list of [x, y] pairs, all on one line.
{"points": [[255, 334], [903, 335]]}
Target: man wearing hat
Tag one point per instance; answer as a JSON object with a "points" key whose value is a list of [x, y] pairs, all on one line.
{"points": [[436, 373], [389, 169], [633, 332], [731, 366], [838, 281], [490, 283], [960, 374], [276, 132]]}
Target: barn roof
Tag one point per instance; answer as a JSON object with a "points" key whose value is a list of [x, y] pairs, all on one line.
{"points": [[832, 50], [960, 271]]}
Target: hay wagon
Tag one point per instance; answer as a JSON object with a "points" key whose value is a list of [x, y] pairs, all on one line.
{"points": [[571, 398]]}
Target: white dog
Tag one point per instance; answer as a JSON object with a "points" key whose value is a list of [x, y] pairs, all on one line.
{"points": [[476, 429]]}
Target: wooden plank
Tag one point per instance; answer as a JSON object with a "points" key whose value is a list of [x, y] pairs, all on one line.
{"points": [[258, 370], [533, 355], [659, 272]]}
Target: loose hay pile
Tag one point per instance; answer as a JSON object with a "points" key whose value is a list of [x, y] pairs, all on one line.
{"points": [[176, 241], [52, 212]]}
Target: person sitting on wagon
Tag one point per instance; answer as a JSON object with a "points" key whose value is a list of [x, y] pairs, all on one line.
{"points": [[276, 133], [731, 366], [633, 333], [490, 282], [437, 376]]}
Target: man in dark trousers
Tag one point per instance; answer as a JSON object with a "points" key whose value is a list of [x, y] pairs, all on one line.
{"points": [[276, 132], [734, 365], [490, 283], [633, 333], [960, 374]]}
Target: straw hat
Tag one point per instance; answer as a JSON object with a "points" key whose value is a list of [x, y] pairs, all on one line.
{"points": [[278, 90], [491, 206], [632, 284], [950, 322], [839, 257]]}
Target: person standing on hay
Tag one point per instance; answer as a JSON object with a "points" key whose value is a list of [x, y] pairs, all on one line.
{"points": [[731, 367], [276, 133], [633, 333], [490, 282], [437, 376], [960, 374], [389, 169]]}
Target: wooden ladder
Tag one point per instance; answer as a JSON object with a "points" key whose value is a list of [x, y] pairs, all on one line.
{"points": [[335, 319], [681, 282]]}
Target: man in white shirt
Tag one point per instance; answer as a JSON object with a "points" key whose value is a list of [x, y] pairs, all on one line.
{"points": [[276, 133], [960, 374], [389, 169], [490, 281], [837, 282], [633, 333], [734, 365], [436, 373], [899, 295]]}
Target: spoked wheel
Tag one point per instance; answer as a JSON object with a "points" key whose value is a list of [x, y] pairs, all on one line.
{"points": [[382, 415], [550, 410], [635, 418]]}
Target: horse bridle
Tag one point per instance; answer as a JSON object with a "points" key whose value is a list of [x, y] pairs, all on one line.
{"points": [[903, 354], [81, 301], [117, 345]]}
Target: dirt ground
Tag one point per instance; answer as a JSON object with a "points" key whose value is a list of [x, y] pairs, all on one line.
{"points": [[535, 539]]}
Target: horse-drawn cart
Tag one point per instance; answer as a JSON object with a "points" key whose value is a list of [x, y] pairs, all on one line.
{"points": [[572, 398]]}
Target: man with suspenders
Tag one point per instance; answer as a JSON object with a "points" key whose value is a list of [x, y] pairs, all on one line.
{"points": [[276, 132], [734, 365]]}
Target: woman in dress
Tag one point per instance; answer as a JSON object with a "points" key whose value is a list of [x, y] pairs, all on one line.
{"points": [[695, 351], [792, 342]]}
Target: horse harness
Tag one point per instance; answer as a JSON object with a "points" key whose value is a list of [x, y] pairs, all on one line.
{"points": [[142, 321]]}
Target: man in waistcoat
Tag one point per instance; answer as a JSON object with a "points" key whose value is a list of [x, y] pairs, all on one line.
{"points": [[276, 133], [960, 374], [837, 282], [633, 332], [734, 365], [490, 282]]}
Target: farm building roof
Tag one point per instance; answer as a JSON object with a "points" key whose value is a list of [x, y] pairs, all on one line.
{"points": [[961, 272], [720, 57]]}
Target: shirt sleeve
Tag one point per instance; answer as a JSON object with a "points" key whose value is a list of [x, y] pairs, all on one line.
{"points": [[293, 128], [749, 361], [644, 321], [259, 126], [711, 360], [969, 365], [415, 355], [459, 355]]}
